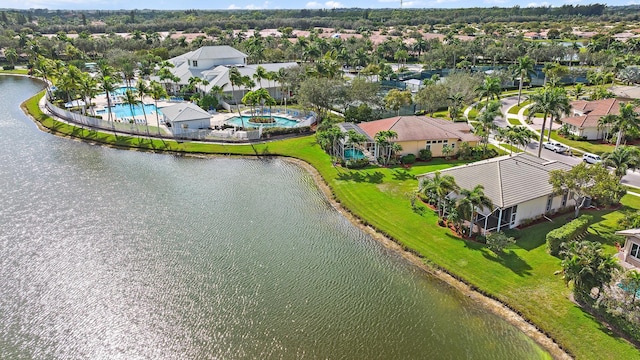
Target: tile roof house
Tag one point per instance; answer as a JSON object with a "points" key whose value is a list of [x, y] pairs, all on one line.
{"points": [[517, 185], [185, 117], [419, 132], [630, 252], [587, 114]]}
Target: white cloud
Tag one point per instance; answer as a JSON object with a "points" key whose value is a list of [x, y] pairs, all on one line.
{"points": [[334, 4], [534, 4], [233, 7], [328, 5], [495, 1]]}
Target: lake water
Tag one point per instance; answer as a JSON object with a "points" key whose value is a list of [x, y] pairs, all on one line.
{"points": [[111, 254]]}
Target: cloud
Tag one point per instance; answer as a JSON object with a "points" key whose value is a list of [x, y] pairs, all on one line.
{"points": [[328, 4], [264, 5], [495, 1], [534, 4], [233, 7]]}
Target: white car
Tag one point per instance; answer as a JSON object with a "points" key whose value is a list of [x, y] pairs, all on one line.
{"points": [[591, 158], [555, 146]]}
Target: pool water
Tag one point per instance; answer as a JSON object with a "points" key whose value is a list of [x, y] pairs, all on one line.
{"points": [[280, 122], [123, 89], [353, 154], [123, 110]]}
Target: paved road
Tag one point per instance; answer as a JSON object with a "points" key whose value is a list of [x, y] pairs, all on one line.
{"points": [[632, 178]]}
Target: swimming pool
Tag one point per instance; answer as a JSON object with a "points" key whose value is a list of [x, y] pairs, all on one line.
{"points": [[120, 91], [123, 110], [353, 154], [280, 122]]}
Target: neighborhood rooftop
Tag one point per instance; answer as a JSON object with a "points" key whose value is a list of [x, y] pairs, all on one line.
{"points": [[508, 180], [418, 128]]}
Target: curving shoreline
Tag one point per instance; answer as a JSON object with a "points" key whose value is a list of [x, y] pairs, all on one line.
{"points": [[488, 303]]}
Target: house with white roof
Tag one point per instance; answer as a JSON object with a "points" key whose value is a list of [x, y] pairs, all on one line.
{"points": [[517, 185], [212, 63], [185, 117]]}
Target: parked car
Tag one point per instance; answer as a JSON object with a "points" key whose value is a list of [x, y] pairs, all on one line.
{"points": [[591, 158], [555, 146]]}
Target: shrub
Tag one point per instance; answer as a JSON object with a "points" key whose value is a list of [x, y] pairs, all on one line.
{"points": [[567, 233], [357, 164], [425, 155], [497, 242], [8, 67], [285, 131], [408, 159]]}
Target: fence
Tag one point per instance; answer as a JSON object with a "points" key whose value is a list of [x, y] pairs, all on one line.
{"points": [[305, 119]]}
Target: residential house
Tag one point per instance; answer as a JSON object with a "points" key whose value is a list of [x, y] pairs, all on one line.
{"points": [[630, 252], [517, 185], [212, 63], [586, 115], [419, 132], [183, 118]]}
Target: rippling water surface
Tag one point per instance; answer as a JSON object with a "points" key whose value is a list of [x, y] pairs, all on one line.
{"points": [[110, 254]]}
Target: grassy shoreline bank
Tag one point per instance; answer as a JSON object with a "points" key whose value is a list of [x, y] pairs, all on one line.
{"points": [[524, 279]]}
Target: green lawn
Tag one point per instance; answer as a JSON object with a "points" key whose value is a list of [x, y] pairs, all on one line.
{"points": [[14, 71], [588, 146], [511, 148], [523, 277], [514, 110], [514, 121]]}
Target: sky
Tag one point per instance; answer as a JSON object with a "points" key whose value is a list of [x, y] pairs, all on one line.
{"points": [[287, 4]]}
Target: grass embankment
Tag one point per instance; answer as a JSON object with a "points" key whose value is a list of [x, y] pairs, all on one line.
{"points": [[587, 146], [523, 277], [15, 71]]}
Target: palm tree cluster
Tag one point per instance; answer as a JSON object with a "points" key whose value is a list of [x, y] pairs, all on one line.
{"points": [[587, 266], [453, 204], [627, 121], [550, 101]]}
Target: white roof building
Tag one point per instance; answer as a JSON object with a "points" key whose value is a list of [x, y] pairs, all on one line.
{"points": [[185, 117]]}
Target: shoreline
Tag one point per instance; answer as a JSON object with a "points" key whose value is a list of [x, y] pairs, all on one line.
{"points": [[490, 304], [494, 306]]}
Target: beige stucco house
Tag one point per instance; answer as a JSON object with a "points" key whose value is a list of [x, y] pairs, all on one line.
{"points": [[630, 253], [517, 185], [420, 132]]}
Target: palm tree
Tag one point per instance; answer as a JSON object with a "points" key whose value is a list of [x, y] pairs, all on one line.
{"points": [[524, 69], [490, 88], [157, 92], [623, 159], [143, 90], [548, 101], [587, 266], [560, 106], [485, 122], [455, 105], [383, 139], [578, 91], [235, 78], [88, 88], [261, 73], [108, 85], [131, 100], [476, 200], [439, 186], [627, 120]]}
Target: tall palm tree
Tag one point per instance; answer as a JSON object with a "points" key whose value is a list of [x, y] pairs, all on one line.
{"points": [[485, 122], [524, 69], [561, 105], [157, 92], [235, 78], [131, 100], [477, 200], [547, 101], [88, 87], [143, 90], [439, 186], [383, 138], [108, 85], [622, 159]]}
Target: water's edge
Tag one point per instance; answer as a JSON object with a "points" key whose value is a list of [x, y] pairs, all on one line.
{"points": [[493, 305]]}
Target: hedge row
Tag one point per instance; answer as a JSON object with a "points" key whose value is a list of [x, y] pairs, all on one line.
{"points": [[567, 233]]}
